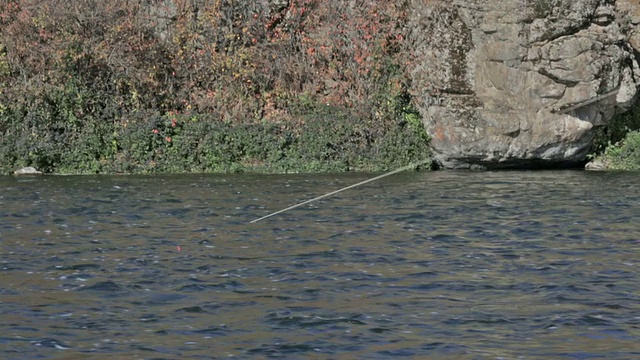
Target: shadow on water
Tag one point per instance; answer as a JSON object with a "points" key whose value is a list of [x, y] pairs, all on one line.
{"points": [[447, 265]]}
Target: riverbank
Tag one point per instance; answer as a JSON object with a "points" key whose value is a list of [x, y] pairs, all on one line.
{"points": [[207, 87], [324, 140], [175, 87]]}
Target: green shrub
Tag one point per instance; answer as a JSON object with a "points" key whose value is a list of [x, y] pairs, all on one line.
{"points": [[135, 86], [624, 155], [616, 144], [619, 126]]}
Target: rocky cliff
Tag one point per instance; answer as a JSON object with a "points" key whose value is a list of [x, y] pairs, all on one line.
{"points": [[521, 83]]}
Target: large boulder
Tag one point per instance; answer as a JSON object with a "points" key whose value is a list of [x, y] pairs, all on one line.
{"points": [[520, 83]]}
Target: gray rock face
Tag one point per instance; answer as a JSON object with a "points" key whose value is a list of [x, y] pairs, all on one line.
{"points": [[519, 83], [597, 165]]}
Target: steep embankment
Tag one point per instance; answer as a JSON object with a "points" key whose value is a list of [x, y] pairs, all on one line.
{"points": [[205, 86], [135, 86]]}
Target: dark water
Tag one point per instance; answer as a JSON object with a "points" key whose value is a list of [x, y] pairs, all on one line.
{"points": [[444, 265]]}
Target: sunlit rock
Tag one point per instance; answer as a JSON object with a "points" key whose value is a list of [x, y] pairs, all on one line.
{"points": [[27, 171], [520, 83]]}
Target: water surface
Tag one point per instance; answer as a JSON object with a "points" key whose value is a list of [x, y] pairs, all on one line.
{"points": [[446, 265]]}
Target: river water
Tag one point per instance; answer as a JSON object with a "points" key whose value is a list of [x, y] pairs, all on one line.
{"points": [[444, 265]]}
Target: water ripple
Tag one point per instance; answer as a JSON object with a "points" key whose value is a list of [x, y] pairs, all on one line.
{"points": [[450, 265]]}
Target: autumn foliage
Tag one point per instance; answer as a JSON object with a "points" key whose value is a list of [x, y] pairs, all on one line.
{"points": [[98, 72]]}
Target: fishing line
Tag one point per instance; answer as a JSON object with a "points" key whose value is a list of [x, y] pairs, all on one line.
{"points": [[343, 189]]}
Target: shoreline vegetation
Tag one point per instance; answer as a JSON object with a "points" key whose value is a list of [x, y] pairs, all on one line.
{"points": [[210, 86], [205, 86], [617, 147]]}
